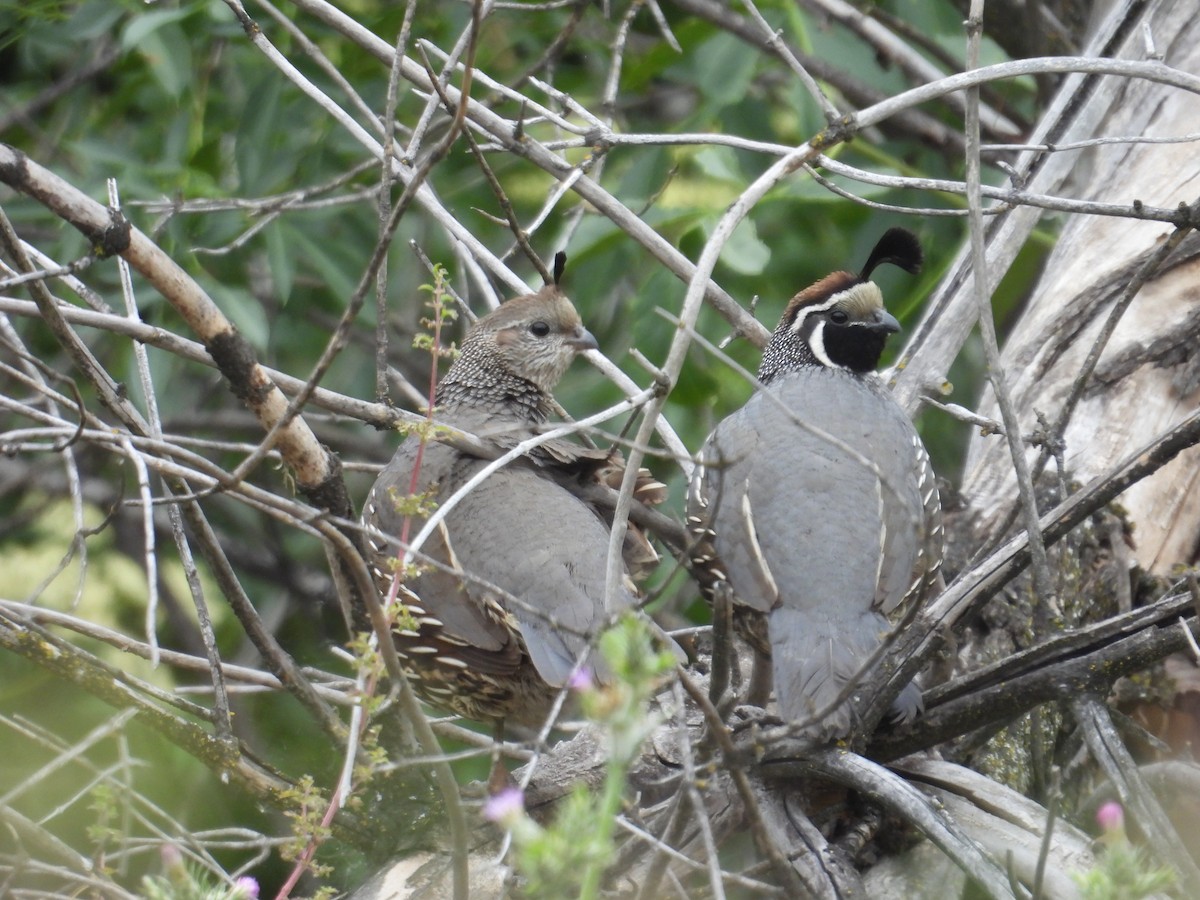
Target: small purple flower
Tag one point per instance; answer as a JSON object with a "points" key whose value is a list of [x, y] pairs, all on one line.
{"points": [[581, 680], [1111, 817], [172, 861], [245, 888], [506, 807]]}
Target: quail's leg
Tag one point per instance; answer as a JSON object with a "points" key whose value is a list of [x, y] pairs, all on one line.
{"points": [[759, 690], [498, 777]]}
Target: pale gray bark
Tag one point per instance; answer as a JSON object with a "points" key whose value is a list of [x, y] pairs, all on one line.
{"points": [[1148, 377]]}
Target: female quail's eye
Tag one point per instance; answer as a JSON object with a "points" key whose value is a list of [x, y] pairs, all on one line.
{"points": [[539, 329], [838, 317]]}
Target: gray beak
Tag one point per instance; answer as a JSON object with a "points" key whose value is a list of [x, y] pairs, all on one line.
{"points": [[884, 321], [583, 340]]}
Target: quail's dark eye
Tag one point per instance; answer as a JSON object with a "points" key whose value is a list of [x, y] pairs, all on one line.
{"points": [[539, 329], [838, 317]]}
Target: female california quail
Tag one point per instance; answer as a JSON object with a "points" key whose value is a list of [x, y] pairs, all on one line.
{"points": [[511, 589], [819, 499]]}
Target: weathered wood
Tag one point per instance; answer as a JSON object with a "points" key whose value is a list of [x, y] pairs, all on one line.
{"points": [[1148, 377]]}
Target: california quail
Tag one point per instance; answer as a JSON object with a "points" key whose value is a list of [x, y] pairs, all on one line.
{"points": [[819, 500], [513, 587]]}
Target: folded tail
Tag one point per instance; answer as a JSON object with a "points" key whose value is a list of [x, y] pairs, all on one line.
{"points": [[815, 662]]}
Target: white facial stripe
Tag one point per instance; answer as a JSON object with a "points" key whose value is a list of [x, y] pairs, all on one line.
{"points": [[860, 301], [816, 343], [804, 313]]}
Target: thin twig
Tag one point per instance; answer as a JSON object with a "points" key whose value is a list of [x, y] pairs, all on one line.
{"points": [[1043, 586]]}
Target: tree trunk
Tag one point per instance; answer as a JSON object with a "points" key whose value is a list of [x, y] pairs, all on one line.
{"points": [[1148, 376]]}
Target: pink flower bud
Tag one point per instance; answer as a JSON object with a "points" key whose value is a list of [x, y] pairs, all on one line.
{"points": [[172, 861], [505, 807], [1110, 817], [581, 679], [246, 888]]}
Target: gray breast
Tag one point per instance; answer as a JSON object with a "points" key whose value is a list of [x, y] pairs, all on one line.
{"points": [[817, 504], [815, 493]]}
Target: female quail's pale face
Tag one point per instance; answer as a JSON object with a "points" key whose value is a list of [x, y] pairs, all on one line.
{"points": [[538, 336]]}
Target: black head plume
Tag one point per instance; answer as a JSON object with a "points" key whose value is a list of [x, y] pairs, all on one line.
{"points": [[898, 246], [560, 263]]}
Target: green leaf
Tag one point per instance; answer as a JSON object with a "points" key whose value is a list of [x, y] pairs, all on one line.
{"points": [[90, 21], [744, 252], [719, 163], [724, 69], [279, 259], [147, 24], [169, 56], [339, 280], [244, 310], [256, 142]]}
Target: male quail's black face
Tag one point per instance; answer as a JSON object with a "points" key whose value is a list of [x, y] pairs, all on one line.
{"points": [[839, 323], [850, 328]]}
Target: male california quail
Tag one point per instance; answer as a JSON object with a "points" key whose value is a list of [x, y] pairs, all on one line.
{"points": [[818, 498], [512, 590]]}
